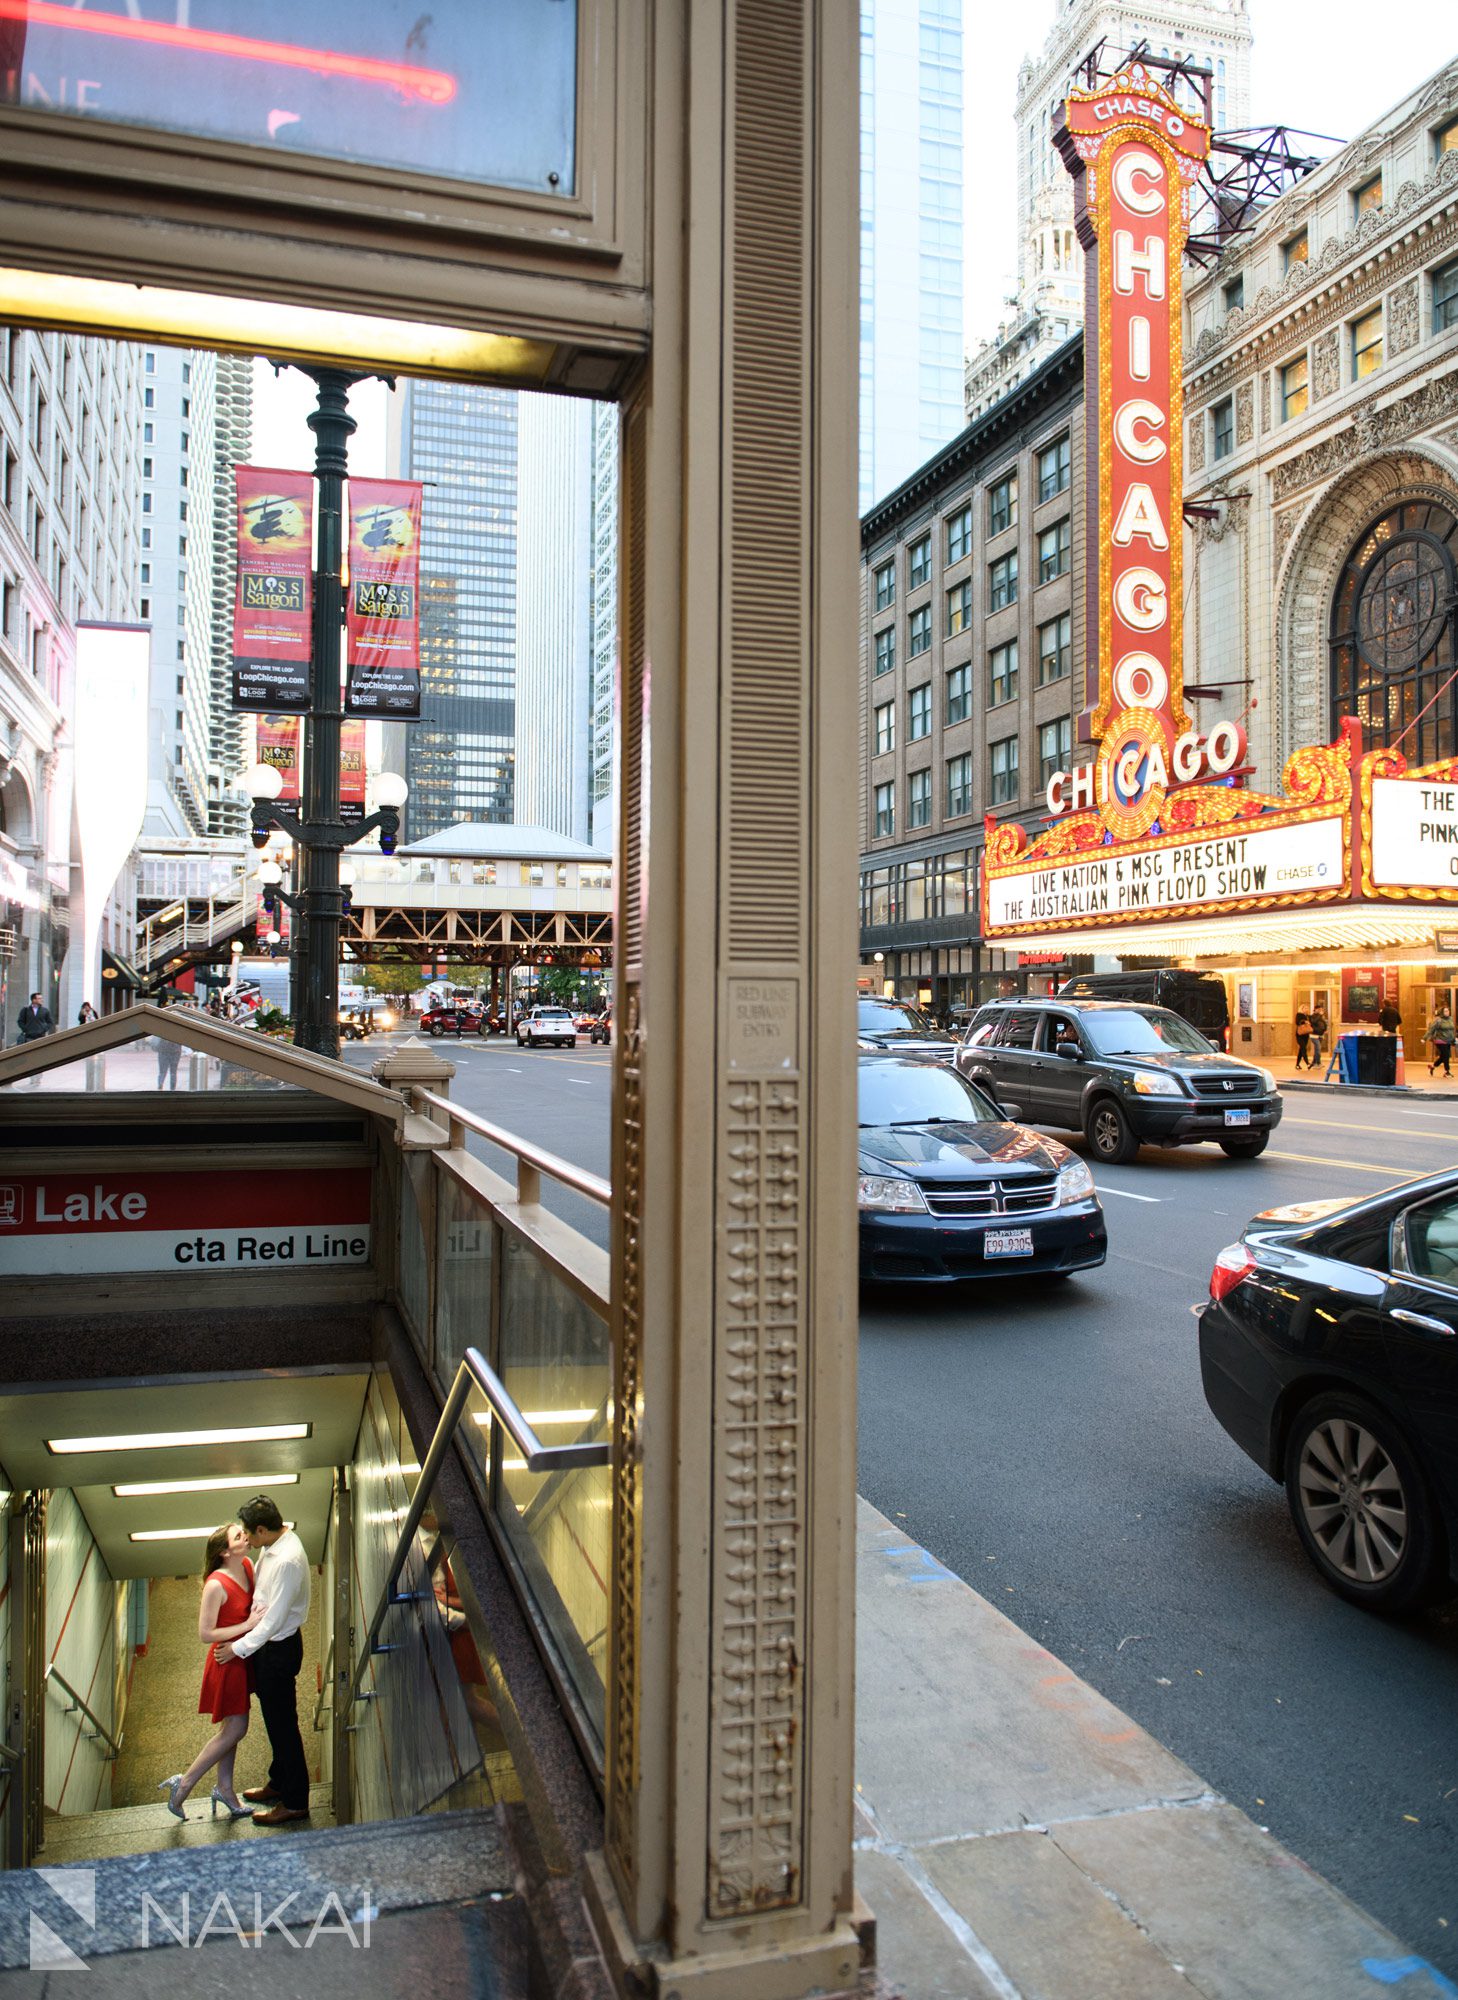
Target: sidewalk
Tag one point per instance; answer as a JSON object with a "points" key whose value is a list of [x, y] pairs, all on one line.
{"points": [[1419, 1084], [1018, 1838]]}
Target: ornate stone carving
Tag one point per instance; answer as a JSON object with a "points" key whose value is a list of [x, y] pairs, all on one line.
{"points": [[1326, 367], [1283, 527], [759, 1716], [1195, 454], [1244, 413], [627, 1475], [1265, 402], [1403, 324], [1371, 430]]}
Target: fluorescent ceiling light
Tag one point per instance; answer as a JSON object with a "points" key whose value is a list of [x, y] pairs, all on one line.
{"points": [[179, 1440], [179, 1534], [144, 1489]]}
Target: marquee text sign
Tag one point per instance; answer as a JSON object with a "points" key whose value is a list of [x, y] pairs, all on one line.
{"points": [[116, 1220], [1134, 154]]}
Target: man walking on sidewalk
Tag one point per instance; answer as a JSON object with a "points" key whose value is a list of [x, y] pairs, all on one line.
{"points": [[276, 1648]]}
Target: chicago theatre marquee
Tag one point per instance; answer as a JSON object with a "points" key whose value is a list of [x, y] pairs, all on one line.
{"points": [[1265, 777]]}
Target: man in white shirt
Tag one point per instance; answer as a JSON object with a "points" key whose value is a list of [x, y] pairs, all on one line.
{"points": [[276, 1647]]}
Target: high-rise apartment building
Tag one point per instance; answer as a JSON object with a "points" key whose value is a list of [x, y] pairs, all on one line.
{"points": [[1048, 306], [232, 446], [912, 222], [554, 614], [601, 782], [70, 523]]}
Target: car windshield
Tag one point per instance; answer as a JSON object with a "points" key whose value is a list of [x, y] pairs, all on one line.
{"points": [[553, 1014], [1147, 1032], [892, 1017], [906, 1093]]}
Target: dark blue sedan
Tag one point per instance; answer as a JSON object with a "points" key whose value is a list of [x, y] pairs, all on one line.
{"points": [[950, 1189]]}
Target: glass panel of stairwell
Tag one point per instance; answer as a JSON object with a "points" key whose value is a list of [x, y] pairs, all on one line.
{"points": [[555, 1360]]}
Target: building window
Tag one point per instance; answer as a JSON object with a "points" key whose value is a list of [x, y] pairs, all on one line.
{"points": [[886, 650], [918, 713], [918, 632], [1055, 547], [885, 728], [1232, 293], [1055, 744], [959, 535], [918, 562], [1054, 468], [1002, 582], [149, 399], [146, 572], [1002, 759], [146, 468], [1222, 428], [1002, 505], [885, 810], [1445, 139], [1445, 297], [1055, 649], [959, 694], [1367, 196], [1367, 344], [1295, 250], [146, 433], [959, 609], [1295, 389], [918, 799], [1393, 634], [959, 786], [885, 586], [1002, 674]]}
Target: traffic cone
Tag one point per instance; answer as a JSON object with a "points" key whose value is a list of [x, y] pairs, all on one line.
{"points": [[1401, 1078]]}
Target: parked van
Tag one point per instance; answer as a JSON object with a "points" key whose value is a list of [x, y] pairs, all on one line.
{"points": [[1198, 996]]}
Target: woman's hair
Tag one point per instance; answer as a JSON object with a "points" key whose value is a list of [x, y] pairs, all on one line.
{"points": [[217, 1549]]}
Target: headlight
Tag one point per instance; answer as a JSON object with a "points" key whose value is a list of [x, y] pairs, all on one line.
{"points": [[1155, 1083], [1075, 1183], [385, 1020], [890, 1192], [1268, 1082]]}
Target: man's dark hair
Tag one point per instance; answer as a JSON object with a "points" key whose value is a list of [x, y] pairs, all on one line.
{"points": [[261, 1512]]}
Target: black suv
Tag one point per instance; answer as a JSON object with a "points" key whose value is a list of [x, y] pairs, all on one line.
{"points": [[1120, 1074], [894, 1028]]}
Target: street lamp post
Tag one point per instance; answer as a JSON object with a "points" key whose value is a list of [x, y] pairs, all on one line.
{"points": [[316, 830]]}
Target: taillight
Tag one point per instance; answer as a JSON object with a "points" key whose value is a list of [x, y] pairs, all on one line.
{"points": [[1232, 1265]]}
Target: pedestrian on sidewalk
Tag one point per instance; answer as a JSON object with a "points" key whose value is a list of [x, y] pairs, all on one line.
{"points": [[1389, 1020], [1318, 1034], [35, 1021], [275, 1646], [1303, 1041], [1442, 1034], [226, 1612]]}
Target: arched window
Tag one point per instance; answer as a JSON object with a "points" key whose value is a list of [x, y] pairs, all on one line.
{"points": [[1394, 633]]}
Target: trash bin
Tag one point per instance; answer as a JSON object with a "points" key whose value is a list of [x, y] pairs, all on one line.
{"points": [[1347, 1058], [1376, 1059]]}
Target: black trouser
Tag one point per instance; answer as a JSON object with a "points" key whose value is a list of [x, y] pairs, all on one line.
{"points": [[275, 1682], [1442, 1051]]}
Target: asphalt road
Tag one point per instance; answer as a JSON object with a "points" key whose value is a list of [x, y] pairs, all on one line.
{"points": [[1052, 1446]]}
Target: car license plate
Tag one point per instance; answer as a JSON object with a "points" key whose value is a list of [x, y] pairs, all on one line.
{"points": [[1008, 1243], [1237, 1118]]}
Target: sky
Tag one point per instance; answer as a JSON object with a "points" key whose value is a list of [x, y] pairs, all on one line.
{"points": [[1317, 67]]}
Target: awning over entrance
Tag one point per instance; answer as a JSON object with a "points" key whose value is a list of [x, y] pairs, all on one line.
{"points": [[1347, 927], [120, 973]]}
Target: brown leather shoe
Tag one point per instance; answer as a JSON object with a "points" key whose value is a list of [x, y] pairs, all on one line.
{"points": [[280, 1815], [264, 1795]]}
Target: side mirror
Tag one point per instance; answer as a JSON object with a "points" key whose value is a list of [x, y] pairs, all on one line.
{"points": [[1070, 1051]]}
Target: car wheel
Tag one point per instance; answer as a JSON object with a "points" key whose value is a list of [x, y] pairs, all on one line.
{"points": [[1109, 1134], [1361, 1505], [573, 1043], [1245, 1149]]}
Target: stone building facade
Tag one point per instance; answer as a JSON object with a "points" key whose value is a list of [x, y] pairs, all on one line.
{"points": [[971, 620], [1321, 384]]}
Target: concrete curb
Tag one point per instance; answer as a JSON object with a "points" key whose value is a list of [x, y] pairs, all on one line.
{"points": [[1018, 1836], [1405, 1093]]}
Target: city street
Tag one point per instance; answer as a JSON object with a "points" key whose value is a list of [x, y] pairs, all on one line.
{"points": [[1052, 1446]]}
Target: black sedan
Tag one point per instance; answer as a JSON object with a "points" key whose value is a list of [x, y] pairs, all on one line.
{"points": [[1329, 1352], [949, 1189]]}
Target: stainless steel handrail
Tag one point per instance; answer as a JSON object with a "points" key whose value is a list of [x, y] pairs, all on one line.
{"points": [[10, 1756], [530, 1156], [327, 1678], [476, 1372], [53, 1673]]}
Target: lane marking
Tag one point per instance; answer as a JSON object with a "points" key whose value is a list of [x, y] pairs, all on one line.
{"points": [[1349, 1166], [1127, 1194], [1392, 1131]]}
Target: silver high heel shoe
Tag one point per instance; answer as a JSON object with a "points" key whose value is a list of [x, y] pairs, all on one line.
{"points": [[233, 1812], [174, 1804]]}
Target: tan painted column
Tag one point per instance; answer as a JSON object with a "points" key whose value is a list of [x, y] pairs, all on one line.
{"points": [[728, 1865]]}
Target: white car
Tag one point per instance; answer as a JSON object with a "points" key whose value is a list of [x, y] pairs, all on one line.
{"points": [[546, 1024]]}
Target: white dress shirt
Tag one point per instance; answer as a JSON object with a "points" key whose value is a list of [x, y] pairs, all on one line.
{"points": [[281, 1587]]}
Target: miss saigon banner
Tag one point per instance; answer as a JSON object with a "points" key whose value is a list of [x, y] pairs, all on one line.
{"points": [[351, 772], [381, 618], [273, 607], [276, 739]]}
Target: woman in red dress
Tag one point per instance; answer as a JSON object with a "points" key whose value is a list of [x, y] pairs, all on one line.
{"points": [[225, 1613]]}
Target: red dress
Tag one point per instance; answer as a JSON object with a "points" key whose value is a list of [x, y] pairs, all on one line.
{"points": [[226, 1689]]}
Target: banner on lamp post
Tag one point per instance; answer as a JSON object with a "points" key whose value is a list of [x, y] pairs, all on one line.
{"points": [[382, 610], [277, 740], [352, 772], [273, 606]]}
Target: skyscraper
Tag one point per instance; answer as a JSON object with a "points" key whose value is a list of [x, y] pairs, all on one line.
{"points": [[912, 221], [604, 620], [554, 614], [1213, 34]]}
